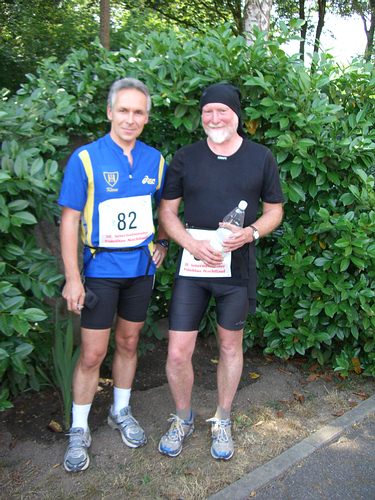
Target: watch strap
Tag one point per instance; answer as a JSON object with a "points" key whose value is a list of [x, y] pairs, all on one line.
{"points": [[163, 243]]}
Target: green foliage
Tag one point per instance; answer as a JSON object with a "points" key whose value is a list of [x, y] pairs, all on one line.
{"points": [[28, 274], [64, 361], [31, 30], [316, 288], [317, 297]]}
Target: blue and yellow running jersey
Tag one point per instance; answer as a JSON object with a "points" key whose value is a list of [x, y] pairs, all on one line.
{"points": [[99, 172]]}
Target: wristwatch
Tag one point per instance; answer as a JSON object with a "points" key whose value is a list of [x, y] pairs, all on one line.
{"points": [[256, 234], [163, 243]]}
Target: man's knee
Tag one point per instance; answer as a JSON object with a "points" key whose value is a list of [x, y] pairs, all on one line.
{"points": [[177, 355], [91, 358], [127, 344], [231, 346]]}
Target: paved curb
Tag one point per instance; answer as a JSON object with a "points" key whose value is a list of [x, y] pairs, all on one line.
{"points": [[260, 477]]}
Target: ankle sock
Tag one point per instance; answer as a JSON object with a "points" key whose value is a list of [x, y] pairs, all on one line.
{"points": [[80, 414], [185, 414], [121, 398], [222, 413]]}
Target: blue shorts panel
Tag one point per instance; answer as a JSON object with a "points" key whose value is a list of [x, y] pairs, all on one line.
{"points": [[190, 299], [128, 297]]}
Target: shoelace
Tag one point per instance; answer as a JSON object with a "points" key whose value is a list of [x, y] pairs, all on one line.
{"points": [[128, 421], [176, 432], [219, 431], [76, 439]]}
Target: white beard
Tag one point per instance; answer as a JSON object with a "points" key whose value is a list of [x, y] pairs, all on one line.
{"points": [[219, 135], [222, 134]]}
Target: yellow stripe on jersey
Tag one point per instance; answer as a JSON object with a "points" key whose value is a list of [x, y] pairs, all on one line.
{"points": [[161, 169], [88, 211]]}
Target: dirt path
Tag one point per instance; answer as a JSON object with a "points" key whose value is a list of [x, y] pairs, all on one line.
{"points": [[277, 405]]}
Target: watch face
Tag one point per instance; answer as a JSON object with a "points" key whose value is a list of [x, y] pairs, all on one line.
{"points": [[255, 233], [163, 243]]}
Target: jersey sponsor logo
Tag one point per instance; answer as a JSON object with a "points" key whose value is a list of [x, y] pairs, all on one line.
{"points": [[147, 180], [111, 179]]}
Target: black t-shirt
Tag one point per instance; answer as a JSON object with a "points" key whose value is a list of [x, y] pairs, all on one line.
{"points": [[212, 185]]}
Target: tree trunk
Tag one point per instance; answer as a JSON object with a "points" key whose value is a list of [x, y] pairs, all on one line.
{"points": [[303, 30], [322, 12], [256, 13], [104, 23], [369, 51]]}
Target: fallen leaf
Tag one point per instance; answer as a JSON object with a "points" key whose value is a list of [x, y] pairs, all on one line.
{"points": [[106, 381], [259, 423], [327, 377], [269, 359], [299, 397], [254, 375], [55, 426], [280, 414], [214, 361], [338, 413], [362, 395], [55, 466], [314, 367], [352, 403], [312, 377]]}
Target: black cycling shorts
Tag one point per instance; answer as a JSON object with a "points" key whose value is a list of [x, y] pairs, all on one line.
{"points": [[190, 299], [129, 297]]}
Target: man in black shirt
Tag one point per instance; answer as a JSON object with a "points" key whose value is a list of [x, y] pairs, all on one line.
{"points": [[212, 176]]}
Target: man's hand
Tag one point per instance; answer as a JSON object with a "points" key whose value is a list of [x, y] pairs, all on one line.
{"points": [[239, 237], [202, 250], [74, 294], [159, 254]]}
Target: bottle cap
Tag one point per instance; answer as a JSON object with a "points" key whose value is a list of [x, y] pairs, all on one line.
{"points": [[242, 205]]}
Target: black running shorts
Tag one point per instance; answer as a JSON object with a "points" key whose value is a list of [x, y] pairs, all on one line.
{"points": [[129, 297], [190, 299]]}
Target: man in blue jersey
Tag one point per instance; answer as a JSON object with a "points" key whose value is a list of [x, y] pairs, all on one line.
{"points": [[107, 194], [212, 176]]}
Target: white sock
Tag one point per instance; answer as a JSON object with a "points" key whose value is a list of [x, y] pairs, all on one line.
{"points": [[80, 414], [121, 398]]}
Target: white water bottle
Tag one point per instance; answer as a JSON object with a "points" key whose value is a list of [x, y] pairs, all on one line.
{"points": [[235, 217]]}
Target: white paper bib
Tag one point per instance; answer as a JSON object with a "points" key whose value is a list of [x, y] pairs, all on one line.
{"points": [[192, 267], [125, 222]]}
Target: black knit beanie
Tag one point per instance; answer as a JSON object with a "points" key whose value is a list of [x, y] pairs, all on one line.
{"points": [[225, 93]]}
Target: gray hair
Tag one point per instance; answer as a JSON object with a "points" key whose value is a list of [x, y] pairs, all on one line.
{"points": [[128, 83]]}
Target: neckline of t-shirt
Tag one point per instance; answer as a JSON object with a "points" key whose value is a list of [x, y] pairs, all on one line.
{"points": [[118, 148], [224, 157]]}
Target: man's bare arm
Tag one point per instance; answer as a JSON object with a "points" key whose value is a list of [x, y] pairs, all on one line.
{"points": [[201, 249], [73, 291], [269, 220]]}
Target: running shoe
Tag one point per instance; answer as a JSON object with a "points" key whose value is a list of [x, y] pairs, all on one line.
{"points": [[222, 445], [76, 456], [131, 432], [171, 442]]}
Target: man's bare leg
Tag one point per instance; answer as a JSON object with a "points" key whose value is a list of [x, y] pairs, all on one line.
{"points": [[123, 371], [179, 368]]}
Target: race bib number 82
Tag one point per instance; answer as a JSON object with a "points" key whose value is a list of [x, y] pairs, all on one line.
{"points": [[125, 222]]}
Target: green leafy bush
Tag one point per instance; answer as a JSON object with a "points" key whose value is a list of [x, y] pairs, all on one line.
{"points": [[316, 272]]}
